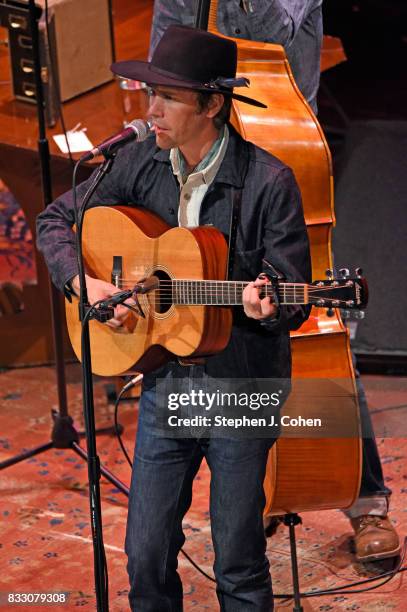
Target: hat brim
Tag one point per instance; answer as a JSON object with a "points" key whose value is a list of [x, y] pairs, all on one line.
{"points": [[145, 72]]}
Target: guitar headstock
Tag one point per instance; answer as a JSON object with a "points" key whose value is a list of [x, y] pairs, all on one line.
{"points": [[343, 292]]}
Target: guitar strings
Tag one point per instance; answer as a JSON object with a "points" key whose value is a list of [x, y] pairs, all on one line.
{"points": [[214, 284], [210, 287], [182, 292], [179, 301]]}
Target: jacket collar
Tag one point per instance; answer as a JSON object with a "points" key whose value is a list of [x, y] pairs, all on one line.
{"points": [[234, 165]]}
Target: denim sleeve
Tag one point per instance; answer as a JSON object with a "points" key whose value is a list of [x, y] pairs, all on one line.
{"points": [[287, 245], [276, 21]]}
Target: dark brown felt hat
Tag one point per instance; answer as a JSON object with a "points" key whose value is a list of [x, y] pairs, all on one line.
{"points": [[192, 59]]}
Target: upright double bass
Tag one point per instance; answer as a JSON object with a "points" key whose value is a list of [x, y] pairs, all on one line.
{"points": [[302, 473]]}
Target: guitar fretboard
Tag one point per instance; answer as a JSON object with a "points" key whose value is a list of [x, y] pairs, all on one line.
{"points": [[229, 293]]}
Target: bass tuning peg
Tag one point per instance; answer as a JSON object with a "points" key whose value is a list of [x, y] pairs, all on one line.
{"points": [[359, 272], [344, 272], [329, 273]]}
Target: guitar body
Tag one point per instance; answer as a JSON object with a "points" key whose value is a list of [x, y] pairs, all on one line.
{"points": [[148, 246]]}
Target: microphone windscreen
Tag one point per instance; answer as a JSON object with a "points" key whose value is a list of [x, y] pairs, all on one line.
{"points": [[141, 127]]}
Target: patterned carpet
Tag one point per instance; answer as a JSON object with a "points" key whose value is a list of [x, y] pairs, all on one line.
{"points": [[45, 536]]}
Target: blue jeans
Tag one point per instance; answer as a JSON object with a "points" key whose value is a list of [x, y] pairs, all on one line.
{"points": [[160, 495]]}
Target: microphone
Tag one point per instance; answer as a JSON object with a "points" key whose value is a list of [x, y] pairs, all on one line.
{"points": [[137, 130], [117, 298]]}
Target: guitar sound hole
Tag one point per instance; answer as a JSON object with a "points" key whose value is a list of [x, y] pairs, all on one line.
{"points": [[161, 299]]}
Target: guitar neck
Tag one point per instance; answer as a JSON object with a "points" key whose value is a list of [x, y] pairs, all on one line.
{"points": [[343, 293], [230, 293]]}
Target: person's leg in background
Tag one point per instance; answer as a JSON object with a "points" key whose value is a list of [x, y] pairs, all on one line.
{"points": [[375, 537]]}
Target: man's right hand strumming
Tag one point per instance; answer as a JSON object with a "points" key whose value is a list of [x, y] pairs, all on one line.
{"points": [[100, 290]]}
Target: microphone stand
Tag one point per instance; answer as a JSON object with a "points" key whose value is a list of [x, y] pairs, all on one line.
{"points": [[64, 434], [94, 472], [103, 313]]}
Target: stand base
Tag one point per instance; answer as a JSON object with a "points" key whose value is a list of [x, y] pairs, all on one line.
{"points": [[291, 520], [64, 435]]}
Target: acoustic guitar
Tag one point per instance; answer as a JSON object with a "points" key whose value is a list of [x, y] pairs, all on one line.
{"points": [[177, 276]]}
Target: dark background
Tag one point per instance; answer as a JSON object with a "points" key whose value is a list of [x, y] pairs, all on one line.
{"points": [[372, 84], [363, 110]]}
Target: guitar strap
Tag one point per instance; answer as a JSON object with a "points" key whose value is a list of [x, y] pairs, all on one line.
{"points": [[234, 223], [235, 216]]}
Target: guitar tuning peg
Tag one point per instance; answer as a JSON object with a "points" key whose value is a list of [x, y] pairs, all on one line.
{"points": [[344, 272], [359, 272], [329, 273]]}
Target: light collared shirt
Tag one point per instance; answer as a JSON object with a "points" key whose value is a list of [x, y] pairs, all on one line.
{"points": [[194, 186]]}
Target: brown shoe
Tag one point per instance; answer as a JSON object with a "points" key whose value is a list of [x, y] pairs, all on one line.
{"points": [[375, 538]]}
